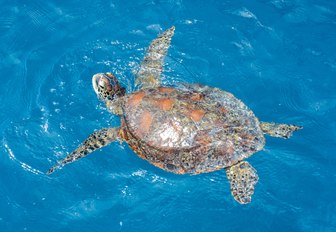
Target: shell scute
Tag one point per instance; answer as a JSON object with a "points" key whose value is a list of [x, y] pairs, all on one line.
{"points": [[197, 114], [164, 103], [136, 99], [145, 121]]}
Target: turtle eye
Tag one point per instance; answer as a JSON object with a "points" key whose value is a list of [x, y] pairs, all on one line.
{"points": [[101, 86], [102, 83]]}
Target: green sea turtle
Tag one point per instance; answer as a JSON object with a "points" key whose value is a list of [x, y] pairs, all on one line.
{"points": [[185, 129]]}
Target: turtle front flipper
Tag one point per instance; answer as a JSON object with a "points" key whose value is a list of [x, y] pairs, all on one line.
{"points": [[279, 130], [152, 64], [95, 141], [243, 177]]}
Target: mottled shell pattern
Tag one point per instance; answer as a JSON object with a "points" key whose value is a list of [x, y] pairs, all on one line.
{"points": [[190, 128]]}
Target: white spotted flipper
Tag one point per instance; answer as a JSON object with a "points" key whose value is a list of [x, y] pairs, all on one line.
{"points": [[152, 64], [243, 177]]}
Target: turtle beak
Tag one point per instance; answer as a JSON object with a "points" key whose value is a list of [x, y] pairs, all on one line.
{"points": [[95, 80]]}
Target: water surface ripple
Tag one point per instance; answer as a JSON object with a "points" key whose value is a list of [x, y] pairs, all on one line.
{"points": [[277, 56]]}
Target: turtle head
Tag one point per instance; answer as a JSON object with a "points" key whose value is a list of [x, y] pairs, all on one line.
{"points": [[107, 86]]}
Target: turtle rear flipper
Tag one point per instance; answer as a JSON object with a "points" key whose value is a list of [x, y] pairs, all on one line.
{"points": [[279, 130], [152, 64], [243, 177], [95, 141]]}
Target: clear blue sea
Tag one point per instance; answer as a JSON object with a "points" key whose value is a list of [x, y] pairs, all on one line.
{"points": [[278, 56]]}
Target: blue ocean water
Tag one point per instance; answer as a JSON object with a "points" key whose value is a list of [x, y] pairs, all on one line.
{"points": [[278, 56]]}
